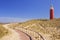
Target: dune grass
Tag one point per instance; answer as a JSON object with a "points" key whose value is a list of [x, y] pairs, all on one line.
{"points": [[3, 31], [45, 26]]}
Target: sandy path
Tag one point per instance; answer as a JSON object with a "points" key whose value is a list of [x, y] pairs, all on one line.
{"points": [[23, 36], [16, 34], [12, 36]]}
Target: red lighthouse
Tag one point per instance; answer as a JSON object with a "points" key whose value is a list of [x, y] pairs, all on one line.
{"points": [[51, 12]]}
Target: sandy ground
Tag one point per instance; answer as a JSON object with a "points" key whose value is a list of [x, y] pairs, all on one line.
{"points": [[15, 35], [12, 36], [23, 36]]}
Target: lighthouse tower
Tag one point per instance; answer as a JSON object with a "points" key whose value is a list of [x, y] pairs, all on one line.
{"points": [[51, 12]]}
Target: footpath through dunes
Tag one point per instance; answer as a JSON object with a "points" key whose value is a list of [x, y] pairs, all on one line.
{"points": [[12, 36], [23, 35], [49, 29], [34, 35], [15, 35]]}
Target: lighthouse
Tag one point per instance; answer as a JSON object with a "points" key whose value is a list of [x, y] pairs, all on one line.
{"points": [[51, 12]]}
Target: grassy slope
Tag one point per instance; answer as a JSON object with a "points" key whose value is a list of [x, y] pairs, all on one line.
{"points": [[45, 26], [3, 31]]}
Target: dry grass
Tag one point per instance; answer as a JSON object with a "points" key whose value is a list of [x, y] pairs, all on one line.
{"points": [[51, 27], [3, 31]]}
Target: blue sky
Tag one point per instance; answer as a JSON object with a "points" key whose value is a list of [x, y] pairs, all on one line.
{"points": [[28, 8]]}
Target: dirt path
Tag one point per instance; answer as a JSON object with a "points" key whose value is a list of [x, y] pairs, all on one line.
{"points": [[23, 36], [12, 36]]}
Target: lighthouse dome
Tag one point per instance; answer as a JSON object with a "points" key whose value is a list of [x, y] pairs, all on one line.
{"points": [[51, 7]]}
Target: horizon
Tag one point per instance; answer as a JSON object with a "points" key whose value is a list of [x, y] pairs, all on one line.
{"points": [[18, 20]]}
